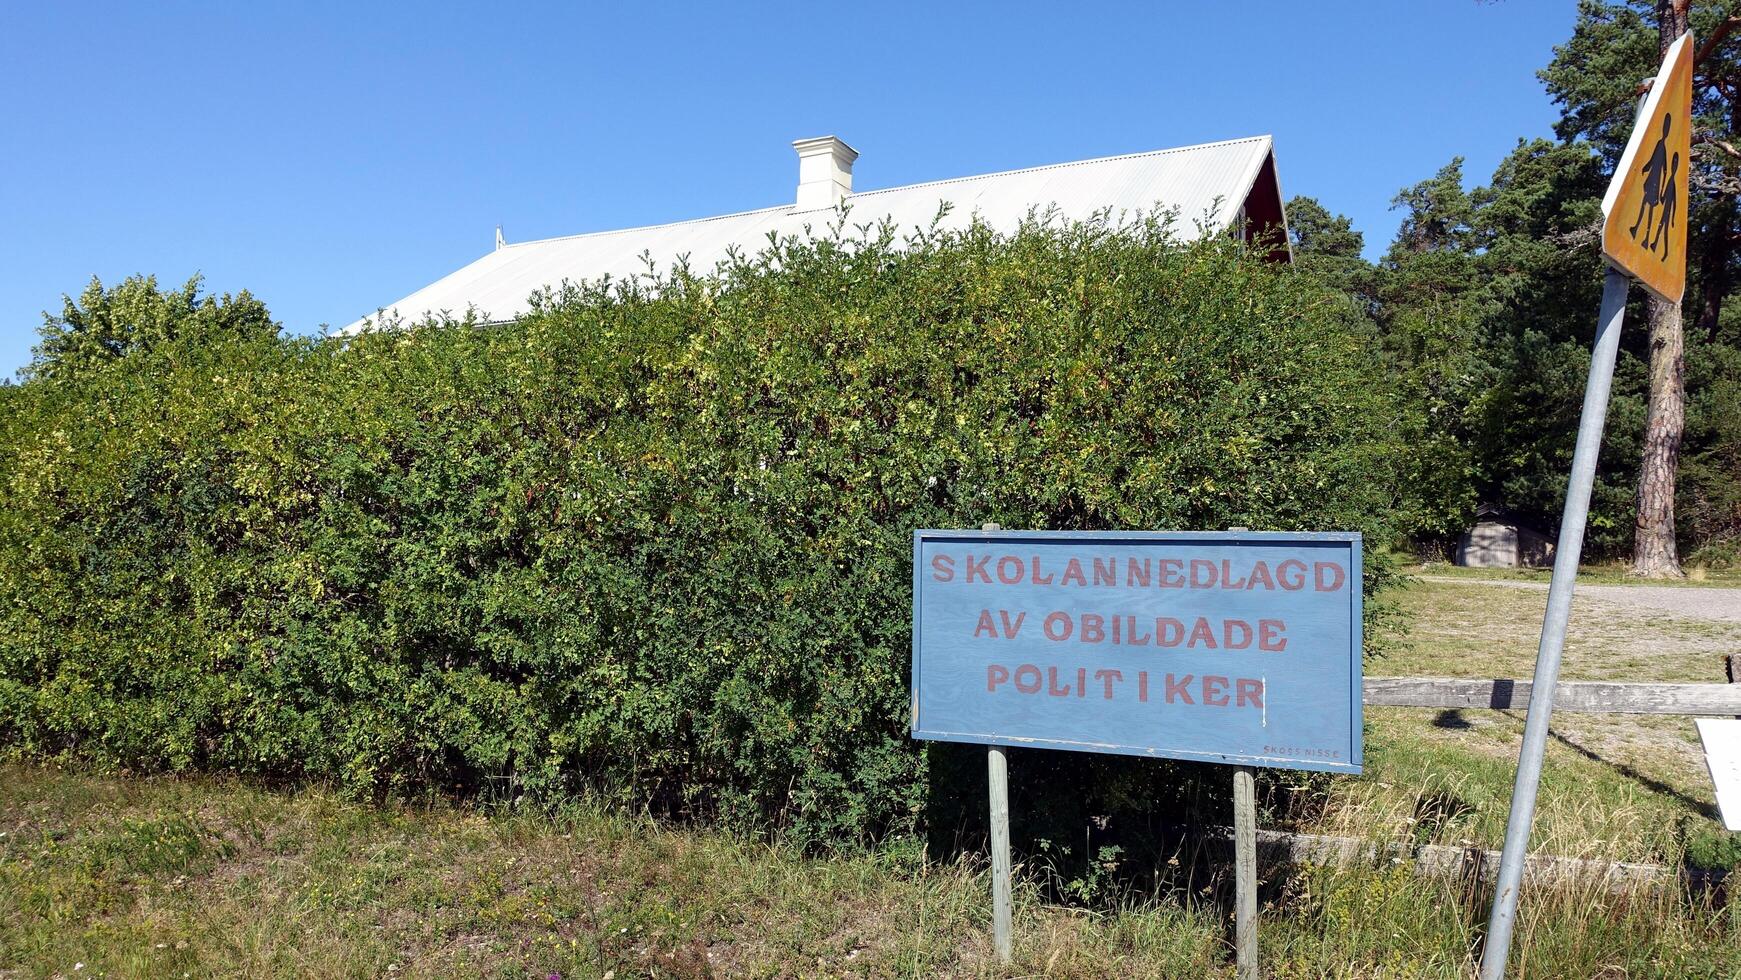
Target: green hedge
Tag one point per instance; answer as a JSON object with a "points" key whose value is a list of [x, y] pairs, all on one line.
{"points": [[652, 540]]}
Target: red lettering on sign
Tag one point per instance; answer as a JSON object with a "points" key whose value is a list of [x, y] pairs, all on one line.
{"points": [[1064, 624], [1260, 570], [1229, 628], [1011, 629], [1170, 577], [1209, 690], [942, 568], [1250, 691], [1073, 570], [1038, 579], [1180, 688], [1213, 685], [1136, 574], [1169, 631], [1227, 580], [1337, 576], [1294, 582], [1093, 628], [979, 567], [985, 625], [1202, 632], [1004, 574], [1269, 635], [1206, 568], [1131, 636], [1107, 573]]}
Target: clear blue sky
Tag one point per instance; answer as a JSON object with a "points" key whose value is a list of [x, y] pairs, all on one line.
{"points": [[333, 157]]}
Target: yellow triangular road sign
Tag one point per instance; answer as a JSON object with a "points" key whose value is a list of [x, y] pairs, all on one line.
{"points": [[1644, 227]]}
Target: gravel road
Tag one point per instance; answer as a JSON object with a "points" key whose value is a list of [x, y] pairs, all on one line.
{"points": [[1711, 604]]}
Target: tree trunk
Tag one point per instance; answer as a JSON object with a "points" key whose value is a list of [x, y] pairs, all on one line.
{"points": [[1671, 23], [1653, 545]]}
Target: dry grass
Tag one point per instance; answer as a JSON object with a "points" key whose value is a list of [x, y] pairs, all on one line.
{"points": [[1472, 630], [1616, 787], [123, 877], [217, 878]]}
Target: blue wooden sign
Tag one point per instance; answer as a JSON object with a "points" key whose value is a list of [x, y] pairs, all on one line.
{"points": [[1235, 647]]}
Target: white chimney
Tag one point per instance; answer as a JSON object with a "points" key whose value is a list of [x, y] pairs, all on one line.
{"points": [[824, 172]]}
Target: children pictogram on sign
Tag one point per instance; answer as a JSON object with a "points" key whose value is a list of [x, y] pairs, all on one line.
{"points": [[1670, 200], [1654, 176], [1644, 212]]}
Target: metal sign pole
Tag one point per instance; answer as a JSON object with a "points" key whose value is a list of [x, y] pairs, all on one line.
{"points": [[1553, 640]]}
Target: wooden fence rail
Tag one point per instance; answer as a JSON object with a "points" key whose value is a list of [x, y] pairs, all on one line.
{"points": [[1276, 847], [1584, 696]]}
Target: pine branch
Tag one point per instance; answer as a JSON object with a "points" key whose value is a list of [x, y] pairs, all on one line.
{"points": [[1706, 139], [1717, 36]]}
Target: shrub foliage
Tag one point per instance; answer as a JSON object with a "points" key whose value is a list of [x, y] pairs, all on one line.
{"points": [[652, 538]]}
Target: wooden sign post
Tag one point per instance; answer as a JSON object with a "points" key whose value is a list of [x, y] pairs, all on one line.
{"points": [[997, 771], [1245, 871], [998, 780], [1234, 647]]}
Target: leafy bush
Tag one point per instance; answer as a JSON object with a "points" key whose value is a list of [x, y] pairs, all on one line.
{"points": [[652, 538]]}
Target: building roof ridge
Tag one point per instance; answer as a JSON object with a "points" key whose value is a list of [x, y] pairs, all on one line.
{"points": [[901, 187]]}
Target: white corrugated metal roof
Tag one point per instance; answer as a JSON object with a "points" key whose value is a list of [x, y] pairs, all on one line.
{"points": [[1207, 183]]}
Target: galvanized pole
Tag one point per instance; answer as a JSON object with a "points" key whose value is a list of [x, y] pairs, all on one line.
{"points": [[1245, 872], [1553, 640], [998, 782]]}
